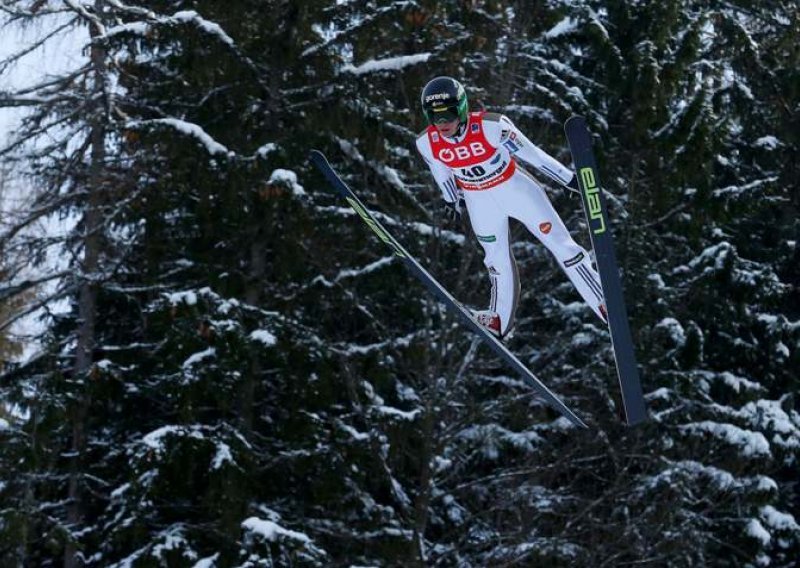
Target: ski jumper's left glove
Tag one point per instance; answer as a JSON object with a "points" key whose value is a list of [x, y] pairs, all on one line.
{"points": [[453, 209]]}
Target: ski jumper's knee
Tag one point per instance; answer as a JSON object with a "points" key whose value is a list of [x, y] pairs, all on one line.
{"points": [[496, 256]]}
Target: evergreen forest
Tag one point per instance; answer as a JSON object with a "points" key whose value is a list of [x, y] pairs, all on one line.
{"points": [[208, 360]]}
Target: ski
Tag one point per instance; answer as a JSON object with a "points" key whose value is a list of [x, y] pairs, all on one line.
{"points": [[594, 207], [440, 292]]}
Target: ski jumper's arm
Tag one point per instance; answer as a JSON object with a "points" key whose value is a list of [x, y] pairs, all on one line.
{"points": [[500, 130], [441, 173]]}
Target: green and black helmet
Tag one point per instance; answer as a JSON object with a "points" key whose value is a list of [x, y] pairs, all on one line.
{"points": [[444, 100]]}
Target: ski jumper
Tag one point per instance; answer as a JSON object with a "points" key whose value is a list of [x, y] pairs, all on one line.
{"points": [[481, 165]]}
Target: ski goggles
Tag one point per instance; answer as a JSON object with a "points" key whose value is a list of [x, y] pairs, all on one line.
{"points": [[443, 115]]}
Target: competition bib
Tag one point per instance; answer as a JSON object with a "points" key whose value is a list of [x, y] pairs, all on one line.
{"points": [[476, 164]]}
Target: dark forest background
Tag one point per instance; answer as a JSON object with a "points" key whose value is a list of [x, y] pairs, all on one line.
{"points": [[244, 376]]}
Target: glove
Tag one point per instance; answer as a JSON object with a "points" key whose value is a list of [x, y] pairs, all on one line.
{"points": [[453, 209], [572, 184]]}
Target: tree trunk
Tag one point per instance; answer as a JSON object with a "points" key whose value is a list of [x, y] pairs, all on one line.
{"points": [[87, 292], [255, 282], [423, 500]]}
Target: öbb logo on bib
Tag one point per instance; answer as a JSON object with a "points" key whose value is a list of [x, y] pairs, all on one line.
{"points": [[473, 150]]}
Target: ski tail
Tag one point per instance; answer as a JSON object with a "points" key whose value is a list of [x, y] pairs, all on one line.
{"points": [[580, 144]]}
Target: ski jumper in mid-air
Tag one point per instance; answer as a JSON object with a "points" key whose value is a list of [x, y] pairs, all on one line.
{"points": [[474, 157]]}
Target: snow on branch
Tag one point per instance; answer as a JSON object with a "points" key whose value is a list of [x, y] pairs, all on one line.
{"points": [[778, 520], [270, 531], [286, 178], [197, 358], [352, 350], [716, 254], [211, 28], [388, 64], [563, 27], [158, 441], [216, 148], [263, 336], [720, 479], [783, 426], [131, 9], [430, 231], [755, 186], [155, 440], [749, 443], [189, 129], [397, 414], [353, 273], [184, 17], [756, 530]]}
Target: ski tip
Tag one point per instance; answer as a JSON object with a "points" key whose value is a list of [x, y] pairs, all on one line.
{"points": [[317, 157], [574, 119]]}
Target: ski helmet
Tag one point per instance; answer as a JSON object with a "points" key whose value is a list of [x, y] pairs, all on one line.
{"points": [[444, 100]]}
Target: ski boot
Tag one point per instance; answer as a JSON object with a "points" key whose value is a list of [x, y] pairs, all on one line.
{"points": [[488, 319]]}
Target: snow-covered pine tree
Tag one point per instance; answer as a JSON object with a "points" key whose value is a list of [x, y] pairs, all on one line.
{"points": [[224, 259], [270, 388], [712, 323], [62, 145], [197, 385]]}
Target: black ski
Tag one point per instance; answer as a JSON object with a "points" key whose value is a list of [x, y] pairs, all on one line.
{"points": [[580, 144], [439, 291]]}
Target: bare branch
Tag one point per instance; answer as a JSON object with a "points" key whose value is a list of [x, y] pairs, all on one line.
{"points": [[21, 287], [40, 131], [55, 84], [13, 58], [33, 306], [34, 11]]}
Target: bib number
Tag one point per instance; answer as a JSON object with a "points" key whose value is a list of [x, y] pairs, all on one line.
{"points": [[473, 172]]}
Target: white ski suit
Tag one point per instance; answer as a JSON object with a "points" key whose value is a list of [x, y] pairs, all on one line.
{"points": [[481, 165]]}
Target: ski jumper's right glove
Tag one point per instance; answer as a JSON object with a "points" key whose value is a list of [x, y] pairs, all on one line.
{"points": [[453, 209]]}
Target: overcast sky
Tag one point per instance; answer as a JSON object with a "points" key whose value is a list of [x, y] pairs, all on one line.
{"points": [[61, 52]]}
